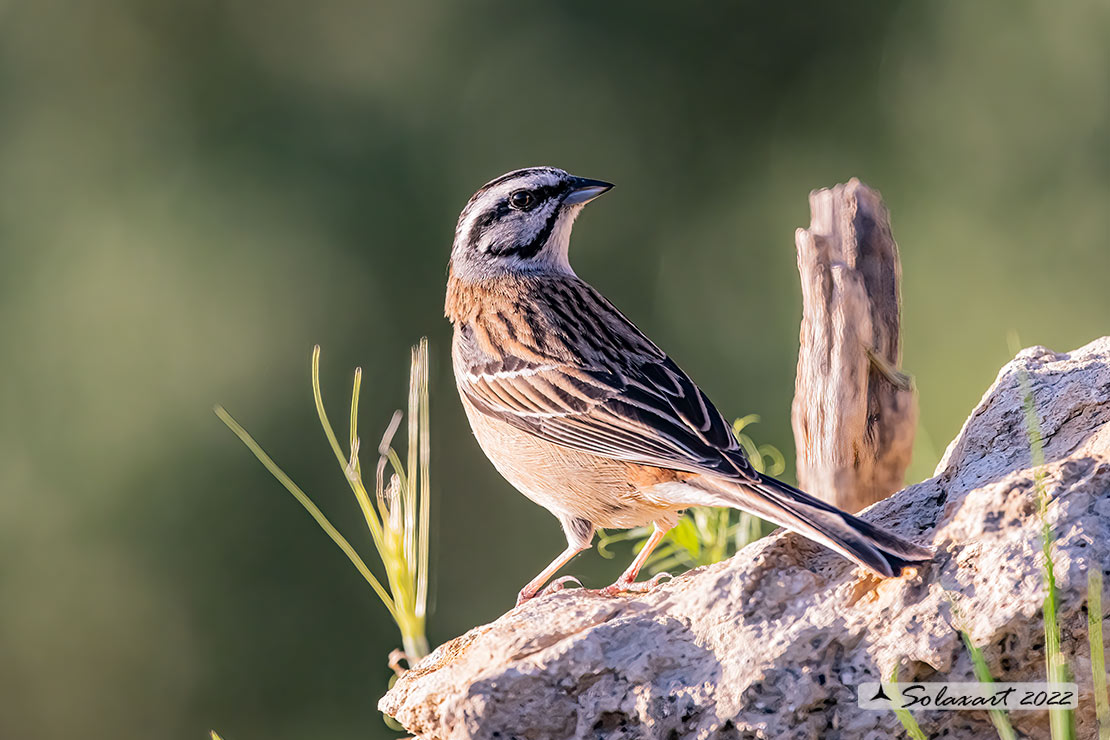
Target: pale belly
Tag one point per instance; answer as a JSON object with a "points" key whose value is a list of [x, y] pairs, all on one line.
{"points": [[569, 483]]}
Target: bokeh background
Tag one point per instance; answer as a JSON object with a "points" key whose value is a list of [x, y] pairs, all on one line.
{"points": [[193, 193]]}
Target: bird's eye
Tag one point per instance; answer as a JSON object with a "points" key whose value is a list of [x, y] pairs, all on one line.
{"points": [[522, 200]]}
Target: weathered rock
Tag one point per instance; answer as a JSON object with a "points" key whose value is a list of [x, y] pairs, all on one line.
{"points": [[772, 643]]}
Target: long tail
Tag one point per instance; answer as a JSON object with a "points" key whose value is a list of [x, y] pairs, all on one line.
{"points": [[874, 548]]}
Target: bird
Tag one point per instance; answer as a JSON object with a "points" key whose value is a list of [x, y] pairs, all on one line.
{"points": [[584, 414]]}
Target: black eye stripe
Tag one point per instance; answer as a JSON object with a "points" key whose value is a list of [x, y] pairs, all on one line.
{"points": [[484, 220], [549, 191], [542, 195], [532, 248]]}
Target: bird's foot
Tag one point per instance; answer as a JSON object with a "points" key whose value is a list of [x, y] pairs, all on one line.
{"points": [[639, 587], [554, 587]]}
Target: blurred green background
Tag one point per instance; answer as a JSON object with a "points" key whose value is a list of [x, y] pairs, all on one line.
{"points": [[194, 193]]}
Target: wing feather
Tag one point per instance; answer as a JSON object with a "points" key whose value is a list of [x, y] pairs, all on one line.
{"points": [[595, 384], [672, 426]]}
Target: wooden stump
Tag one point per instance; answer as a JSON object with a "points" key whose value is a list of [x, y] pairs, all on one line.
{"points": [[854, 412]]}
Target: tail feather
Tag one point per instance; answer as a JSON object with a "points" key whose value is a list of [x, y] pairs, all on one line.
{"points": [[874, 548]]}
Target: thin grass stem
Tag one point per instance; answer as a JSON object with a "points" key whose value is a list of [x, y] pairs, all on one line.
{"points": [[999, 717], [1098, 651], [909, 723], [363, 498], [355, 466], [310, 507], [1061, 721], [398, 517], [708, 535], [425, 483], [318, 398]]}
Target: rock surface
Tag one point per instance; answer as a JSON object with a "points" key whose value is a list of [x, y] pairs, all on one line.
{"points": [[772, 643]]}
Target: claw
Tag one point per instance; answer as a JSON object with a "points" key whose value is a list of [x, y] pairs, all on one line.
{"points": [[640, 587], [554, 587], [559, 584], [658, 578]]}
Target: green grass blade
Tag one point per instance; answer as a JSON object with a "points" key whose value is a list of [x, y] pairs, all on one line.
{"points": [[309, 506], [368, 513], [1098, 651], [425, 483], [399, 526], [607, 538], [999, 717], [749, 530], [318, 398], [355, 465], [674, 559], [395, 463], [1061, 721], [708, 535], [410, 494], [909, 724]]}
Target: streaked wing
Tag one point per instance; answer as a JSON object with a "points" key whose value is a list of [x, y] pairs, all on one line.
{"points": [[637, 406]]}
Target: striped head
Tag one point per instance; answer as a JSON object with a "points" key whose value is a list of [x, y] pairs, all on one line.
{"points": [[520, 222]]}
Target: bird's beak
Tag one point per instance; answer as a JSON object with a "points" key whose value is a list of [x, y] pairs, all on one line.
{"points": [[584, 190]]}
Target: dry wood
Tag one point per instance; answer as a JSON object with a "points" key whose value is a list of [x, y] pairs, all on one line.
{"points": [[854, 411]]}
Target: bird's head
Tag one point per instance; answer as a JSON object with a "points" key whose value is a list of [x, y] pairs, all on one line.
{"points": [[520, 223]]}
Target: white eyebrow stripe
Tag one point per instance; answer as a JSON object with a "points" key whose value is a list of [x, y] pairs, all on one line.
{"points": [[489, 200]]}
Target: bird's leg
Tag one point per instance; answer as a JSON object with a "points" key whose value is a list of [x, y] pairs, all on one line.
{"points": [[627, 581], [580, 535], [534, 585]]}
